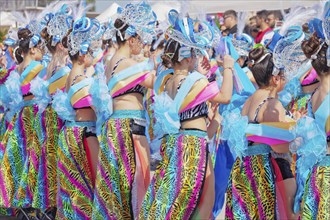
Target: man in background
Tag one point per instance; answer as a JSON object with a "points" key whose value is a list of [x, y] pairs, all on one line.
{"points": [[230, 21], [273, 19], [265, 31]]}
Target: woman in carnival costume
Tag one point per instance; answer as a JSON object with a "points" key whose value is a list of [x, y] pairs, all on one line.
{"points": [[266, 150], [312, 145], [275, 184], [7, 65], [79, 106], [20, 143], [123, 173], [57, 27], [183, 184]]}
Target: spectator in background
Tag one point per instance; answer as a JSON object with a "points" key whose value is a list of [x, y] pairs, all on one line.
{"points": [[273, 18], [265, 33], [253, 30], [230, 21]]}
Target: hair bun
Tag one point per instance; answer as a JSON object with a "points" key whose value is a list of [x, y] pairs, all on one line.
{"points": [[256, 54], [311, 46]]}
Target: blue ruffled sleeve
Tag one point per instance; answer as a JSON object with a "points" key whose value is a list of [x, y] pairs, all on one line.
{"points": [[310, 146], [102, 101], [39, 88], [168, 121], [62, 106], [15, 98], [233, 130], [291, 91]]}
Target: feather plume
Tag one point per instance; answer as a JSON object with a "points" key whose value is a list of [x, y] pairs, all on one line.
{"points": [[297, 16], [241, 17]]}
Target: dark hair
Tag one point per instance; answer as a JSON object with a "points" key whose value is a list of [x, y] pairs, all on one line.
{"points": [[263, 70], [24, 37], [310, 47], [230, 12], [106, 44], [161, 44], [262, 14], [121, 26], [48, 38], [65, 45], [277, 14], [171, 53]]}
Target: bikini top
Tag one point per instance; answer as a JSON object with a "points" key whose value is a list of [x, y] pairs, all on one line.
{"points": [[79, 94], [33, 70], [127, 81], [192, 93], [322, 114], [200, 110]]}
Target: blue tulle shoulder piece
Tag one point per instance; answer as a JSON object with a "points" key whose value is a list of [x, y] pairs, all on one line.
{"points": [[168, 121], [155, 146], [15, 96], [291, 91], [102, 100], [310, 145], [4, 98], [99, 69], [233, 130], [62, 106], [39, 88]]}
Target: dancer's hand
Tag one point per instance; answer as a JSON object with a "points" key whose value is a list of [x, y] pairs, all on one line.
{"points": [[228, 62], [203, 65]]}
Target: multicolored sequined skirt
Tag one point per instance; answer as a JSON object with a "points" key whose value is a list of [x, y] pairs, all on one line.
{"points": [[316, 199], [46, 191], [19, 164], [75, 187], [177, 185], [251, 191], [123, 172]]}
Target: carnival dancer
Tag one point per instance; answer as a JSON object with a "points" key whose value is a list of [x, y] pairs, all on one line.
{"points": [[18, 168], [78, 145], [183, 184], [51, 124], [313, 162], [123, 173], [7, 65]]}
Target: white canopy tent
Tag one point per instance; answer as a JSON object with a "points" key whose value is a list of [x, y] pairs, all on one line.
{"points": [[214, 6]]}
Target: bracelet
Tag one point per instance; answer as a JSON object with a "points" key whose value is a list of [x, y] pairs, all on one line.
{"points": [[231, 68]]}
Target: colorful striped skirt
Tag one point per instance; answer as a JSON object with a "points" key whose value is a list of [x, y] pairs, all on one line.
{"points": [[123, 173], [316, 199], [19, 164], [45, 193], [176, 187], [75, 187], [251, 191]]}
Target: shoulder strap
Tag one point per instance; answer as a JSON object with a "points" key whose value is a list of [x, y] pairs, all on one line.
{"points": [[116, 65], [258, 109]]}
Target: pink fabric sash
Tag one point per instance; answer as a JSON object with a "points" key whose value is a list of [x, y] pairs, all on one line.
{"points": [[131, 85], [265, 140], [310, 78], [84, 102], [207, 93]]}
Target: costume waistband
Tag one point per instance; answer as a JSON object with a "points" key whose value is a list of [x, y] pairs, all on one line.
{"points": [[80, 124], [194, 132], [325, 162], [128, 114], [257, 150]]}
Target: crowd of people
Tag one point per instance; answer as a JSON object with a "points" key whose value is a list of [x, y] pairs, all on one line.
{"points": [[235, 117]]}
